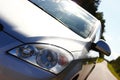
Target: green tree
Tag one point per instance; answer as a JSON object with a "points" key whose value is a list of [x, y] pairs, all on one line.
{"points": [[116, 65], [89, 5], [99, 15]]}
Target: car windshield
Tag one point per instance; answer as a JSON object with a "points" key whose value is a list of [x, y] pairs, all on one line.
{"points": [[69, 14]]}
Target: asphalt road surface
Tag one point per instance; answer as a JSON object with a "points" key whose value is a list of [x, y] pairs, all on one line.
{"points": [[101, 72]]}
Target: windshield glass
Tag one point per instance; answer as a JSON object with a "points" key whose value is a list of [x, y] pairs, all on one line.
{"points": [[69, 14]]}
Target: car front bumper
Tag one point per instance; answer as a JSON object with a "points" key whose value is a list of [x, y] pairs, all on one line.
{"points": [[12, 68]]}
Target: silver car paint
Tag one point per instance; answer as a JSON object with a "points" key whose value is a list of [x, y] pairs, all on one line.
{"points": [[27, 23]]}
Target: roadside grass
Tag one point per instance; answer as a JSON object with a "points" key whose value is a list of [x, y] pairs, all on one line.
{"points": [[110, 67], [113, 71], [95, 60], [91, 60], [99, 60]]}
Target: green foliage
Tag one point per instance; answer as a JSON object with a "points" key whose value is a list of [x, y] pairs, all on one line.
{"points": [[116, 65], [112, 69], [90, 5], [91, 60], [99, 60], [94, 60], [99, 15]]}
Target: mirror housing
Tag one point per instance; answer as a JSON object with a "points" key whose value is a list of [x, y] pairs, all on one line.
{"points": [[102, 47]]}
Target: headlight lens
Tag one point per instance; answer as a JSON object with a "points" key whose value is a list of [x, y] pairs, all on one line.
{"points": [[46, 56], [26, 51]]}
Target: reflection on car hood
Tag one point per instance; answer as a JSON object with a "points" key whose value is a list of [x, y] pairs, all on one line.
{"points": [[30, 21]]}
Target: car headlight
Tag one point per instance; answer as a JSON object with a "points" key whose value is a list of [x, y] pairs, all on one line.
{"points": [[46, 56]]}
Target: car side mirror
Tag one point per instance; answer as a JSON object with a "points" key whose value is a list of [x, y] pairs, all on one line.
{"points": [[102, 47]]}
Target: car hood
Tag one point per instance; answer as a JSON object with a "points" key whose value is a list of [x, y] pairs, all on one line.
{"points": [[31, 21], [52, 36]]}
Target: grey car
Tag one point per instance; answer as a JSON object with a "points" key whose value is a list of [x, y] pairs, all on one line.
{"points": [[46, 39]]}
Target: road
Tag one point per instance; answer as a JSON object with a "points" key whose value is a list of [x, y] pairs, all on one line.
{"points": [[100, 72]]}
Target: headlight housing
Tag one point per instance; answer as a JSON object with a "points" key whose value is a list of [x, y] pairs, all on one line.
{"points": [[46, 56]]}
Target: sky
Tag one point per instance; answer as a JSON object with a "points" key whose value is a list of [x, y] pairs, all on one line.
{"points": [[111, 11]]}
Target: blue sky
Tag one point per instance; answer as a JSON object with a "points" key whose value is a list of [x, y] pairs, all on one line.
{"points": [[111, 10]]}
